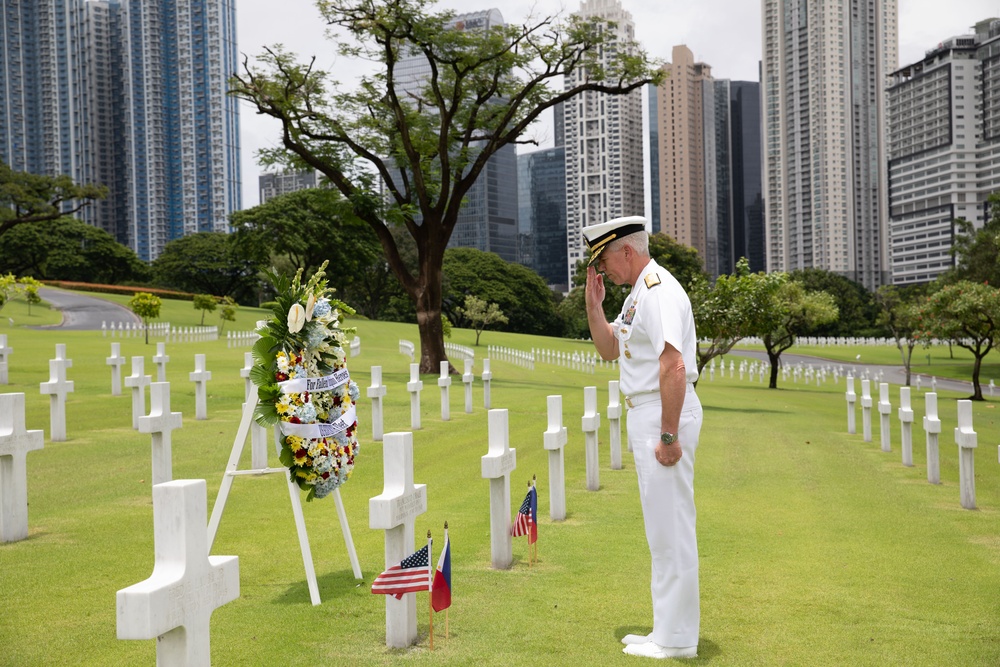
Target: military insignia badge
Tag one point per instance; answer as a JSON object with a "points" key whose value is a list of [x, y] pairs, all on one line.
{"points": [[652, 280], [629, 314]]}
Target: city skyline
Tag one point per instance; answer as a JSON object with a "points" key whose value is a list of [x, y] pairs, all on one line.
{"points": [[722, 33]]}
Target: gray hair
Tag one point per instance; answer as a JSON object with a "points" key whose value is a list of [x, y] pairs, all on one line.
{"points": [[638, 241]]}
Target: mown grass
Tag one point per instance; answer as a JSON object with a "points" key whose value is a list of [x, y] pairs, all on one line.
{"points": [[816, 547]]}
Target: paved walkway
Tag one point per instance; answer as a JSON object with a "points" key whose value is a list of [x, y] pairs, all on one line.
{"points": [[84, 313]]}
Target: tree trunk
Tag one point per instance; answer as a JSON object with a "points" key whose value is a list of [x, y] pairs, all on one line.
{"points": [[774, 359], [431, 332], [977, 390]]}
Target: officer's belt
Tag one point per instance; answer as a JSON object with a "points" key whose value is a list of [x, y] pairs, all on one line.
{"points": [[636, 400]]}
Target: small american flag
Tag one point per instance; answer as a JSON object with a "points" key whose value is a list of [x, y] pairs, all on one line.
{"points": [[411, 575], [526, 521]]}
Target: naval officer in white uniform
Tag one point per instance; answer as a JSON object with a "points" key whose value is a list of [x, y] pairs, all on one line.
{"points": [[655, 343]]}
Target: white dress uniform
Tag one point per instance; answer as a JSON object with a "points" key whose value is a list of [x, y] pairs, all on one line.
{"points": [[658, 311]]}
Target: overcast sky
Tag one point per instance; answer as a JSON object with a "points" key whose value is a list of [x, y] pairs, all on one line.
{"points": [[723, 33]]}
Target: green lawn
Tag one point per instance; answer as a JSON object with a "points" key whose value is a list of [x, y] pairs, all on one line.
{"points": [[816, 547]]}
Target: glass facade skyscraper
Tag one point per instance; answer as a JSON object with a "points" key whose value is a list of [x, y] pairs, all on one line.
{"points": [[130, 94], [487, 220], [541, 182]]}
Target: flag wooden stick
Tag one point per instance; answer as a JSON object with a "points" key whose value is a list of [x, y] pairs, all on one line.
{"points": [[529, 533], [430, 588], [534, 481], [449, 606]]}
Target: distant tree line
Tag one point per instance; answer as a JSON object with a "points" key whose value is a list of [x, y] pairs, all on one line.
{"points": [[300, 230]]}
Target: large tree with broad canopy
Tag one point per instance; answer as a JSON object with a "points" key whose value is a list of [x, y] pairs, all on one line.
{"points": [[408, 157]]}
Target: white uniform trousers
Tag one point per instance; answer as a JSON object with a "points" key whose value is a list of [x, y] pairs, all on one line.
{"points": [[668, 510]]}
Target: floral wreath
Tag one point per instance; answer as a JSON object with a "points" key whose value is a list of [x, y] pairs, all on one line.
{"points": [[303, 385]]}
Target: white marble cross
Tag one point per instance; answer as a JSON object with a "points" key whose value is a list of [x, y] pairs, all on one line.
{"points": [[414, 386], [200, 377], [554, 439], [376, 392], [4, 353], [866, 409], [445, 383], [116, 361], [258, 434], [884, 410], [615, 424], [161, 360], [906, 425], [487, 376], [497, 465], [160, 422], [57, 387], [394, 511], [175, 604], [967, 442], [711, 373], [591, 424], [15, 443], [932, 427], [355, 346], [61, 355], [467, 378], [138, 382]]}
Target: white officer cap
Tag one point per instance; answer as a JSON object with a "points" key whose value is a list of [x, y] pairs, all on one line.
{"points": [[600, 235]]}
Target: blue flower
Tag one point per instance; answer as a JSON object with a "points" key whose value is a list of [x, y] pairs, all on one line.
{"points": [[322, 308], [354, 391]]}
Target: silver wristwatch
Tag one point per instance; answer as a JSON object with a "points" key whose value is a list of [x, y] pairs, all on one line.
{"points": [[668, 438]]}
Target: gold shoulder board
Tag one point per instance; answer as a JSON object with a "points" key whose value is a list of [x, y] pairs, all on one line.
{"points": [[652, 280]]}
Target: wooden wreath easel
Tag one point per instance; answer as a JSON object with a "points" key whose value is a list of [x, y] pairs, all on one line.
{"points": [[233, 471]]}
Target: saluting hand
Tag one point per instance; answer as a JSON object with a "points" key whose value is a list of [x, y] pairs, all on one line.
{"points": [[594, 292], [668, 455]]}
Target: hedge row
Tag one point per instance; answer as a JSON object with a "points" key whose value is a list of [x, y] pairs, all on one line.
{"points": [[119, 289]]}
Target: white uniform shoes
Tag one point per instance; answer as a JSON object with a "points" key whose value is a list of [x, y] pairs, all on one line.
{"points": [[642, 647]]}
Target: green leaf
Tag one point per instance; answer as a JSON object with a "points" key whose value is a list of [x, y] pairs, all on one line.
{"points": [[265, 414], [261, 376], [286, 457], [265, 349]]}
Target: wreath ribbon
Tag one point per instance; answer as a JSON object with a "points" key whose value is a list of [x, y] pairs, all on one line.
{"points": [[316, 431], [325, 383]]}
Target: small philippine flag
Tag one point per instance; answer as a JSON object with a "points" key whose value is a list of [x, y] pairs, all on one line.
{"points": [[441, 590]]}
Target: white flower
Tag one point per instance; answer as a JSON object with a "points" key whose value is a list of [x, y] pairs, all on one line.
{"points": [[296, 318], [310, 305]]}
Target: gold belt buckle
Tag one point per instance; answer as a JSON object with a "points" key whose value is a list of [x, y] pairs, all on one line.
{"points": [[628, 401]]}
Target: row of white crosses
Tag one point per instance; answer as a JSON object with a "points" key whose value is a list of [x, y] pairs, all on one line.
{"points": [[241, 338], [517, 357], [577, 361], [965, 436], [377, 392]]}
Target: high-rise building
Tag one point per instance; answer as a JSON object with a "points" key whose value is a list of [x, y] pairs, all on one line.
{"points": [[681, 112], [130, 94], [932, 158], [944, 149], [707, 157], [488, 216], [541, 182], [604, 143], [653, 115], [747, 238], [274, 185], [824, 73]]}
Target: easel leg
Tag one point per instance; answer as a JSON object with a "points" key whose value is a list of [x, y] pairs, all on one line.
{"points": [[300, 527], [346, 529], [227, 479]]}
